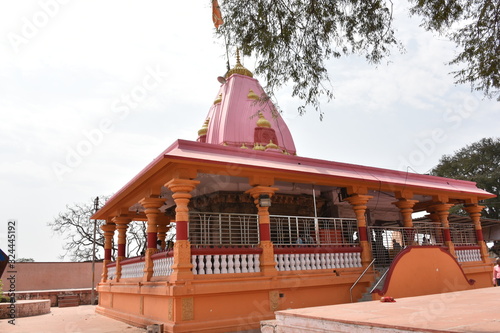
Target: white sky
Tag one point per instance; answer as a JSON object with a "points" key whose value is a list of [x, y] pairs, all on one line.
{"points": [[67, 67]]}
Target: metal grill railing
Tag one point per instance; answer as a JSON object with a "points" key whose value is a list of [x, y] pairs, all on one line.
{"points": [[463, 234], [427, 233], [387, 242], [299, 230], [223, 229]]}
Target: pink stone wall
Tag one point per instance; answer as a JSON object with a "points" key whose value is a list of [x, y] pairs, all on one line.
{"points": [[52, 275]]}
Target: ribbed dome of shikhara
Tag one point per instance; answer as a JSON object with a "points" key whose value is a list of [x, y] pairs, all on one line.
{"points": [[242, 116]]}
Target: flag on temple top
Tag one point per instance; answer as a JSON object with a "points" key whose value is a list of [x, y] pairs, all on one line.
{"points": [[216, 14]]}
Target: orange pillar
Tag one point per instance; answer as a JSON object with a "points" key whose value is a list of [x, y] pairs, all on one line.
{"points": [[434, 217], [121, 226], [443, 211], [474, 211], [151, 210], [162, 231], [406, 208], [358, 203], [267, 262], [182, 267], [109, 231]]}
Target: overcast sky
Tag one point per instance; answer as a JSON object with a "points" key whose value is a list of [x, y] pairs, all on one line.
{"points": [[92, 91]]}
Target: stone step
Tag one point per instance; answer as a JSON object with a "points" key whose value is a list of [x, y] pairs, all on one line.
{"points": [[367, 296], [68, 300]]}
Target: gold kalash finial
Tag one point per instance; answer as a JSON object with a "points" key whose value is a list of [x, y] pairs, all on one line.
{"points": [[204, 129], [238, 68], [263, 122]]}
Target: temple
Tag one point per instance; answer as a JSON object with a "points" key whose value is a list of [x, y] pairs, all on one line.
{"points": [[260, 229]]}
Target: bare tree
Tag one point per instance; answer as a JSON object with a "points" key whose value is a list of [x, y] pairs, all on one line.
{"points": [[75, 225]]}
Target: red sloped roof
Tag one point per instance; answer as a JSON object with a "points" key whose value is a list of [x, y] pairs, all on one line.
{"points": [[192, 151], [220, 154]]}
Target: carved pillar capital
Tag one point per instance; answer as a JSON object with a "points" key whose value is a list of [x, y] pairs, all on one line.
{"points": [[181, 189], [442, 210], [181, 185], [121, 226], [358, 203], [152, 205], [109, 231], [152, 210], [474, 210], [256, 191], [406, 208]]}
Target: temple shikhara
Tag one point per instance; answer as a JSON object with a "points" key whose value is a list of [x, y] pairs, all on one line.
{"points": [[261, 229]]}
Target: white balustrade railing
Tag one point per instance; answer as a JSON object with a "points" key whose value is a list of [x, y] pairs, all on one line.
{"points": [[133, 270], [163, 266], [204, 264], [111, 273], [313, 261], [225, 263], [468, 255]]}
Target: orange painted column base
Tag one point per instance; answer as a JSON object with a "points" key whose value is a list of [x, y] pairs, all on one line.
{"points": [[182, 267], [104, 275], [148, 264], [119, 268], [267, 262]]}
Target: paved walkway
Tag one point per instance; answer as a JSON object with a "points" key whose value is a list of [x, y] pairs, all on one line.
{"points": [[464, 311], [79, 319]]}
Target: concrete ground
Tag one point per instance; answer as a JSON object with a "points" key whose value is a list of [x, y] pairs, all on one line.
{"points": [[463, 311], [79, 319]]}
